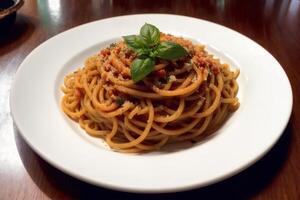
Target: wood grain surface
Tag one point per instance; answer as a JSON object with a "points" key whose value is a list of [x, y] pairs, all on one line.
{"points": [[273, 24]]}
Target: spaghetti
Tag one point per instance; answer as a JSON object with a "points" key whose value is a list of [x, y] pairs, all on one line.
{"points": [[180, 101]]}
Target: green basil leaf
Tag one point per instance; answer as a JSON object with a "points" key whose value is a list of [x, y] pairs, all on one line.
{"points": [[143, 56], [140, 68], [150, 33], [135, 42], [169, 51], [143, 52]]}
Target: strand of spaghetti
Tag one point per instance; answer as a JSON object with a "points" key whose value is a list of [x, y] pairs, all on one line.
{"points": [[229, 100], [72, 114], [196, 132], [70, 102], [117, 81], [220, 82], [93, 132], [188, 113], [86, 86], [159, 66], [168, 85], [114, 60], [187, 81], [113, 131], [139, 146], [92, 73], [194, 97], [75, 114], [133, 128], [66, 89], [236, 73], [67, 79], [146, 147], [227, 92], [81, 122], [204, 125], [104, 97], [218, 118], [101, 92], [134, 112], [174, 116], [141, 137], [214, 105], [136, 130], [193, 111], [143, 111], [178, 131], [87, 104], [126, 106], [77, 79], [138, 93], [180, 71], [181, 91], [101, 106], [235, 87]]}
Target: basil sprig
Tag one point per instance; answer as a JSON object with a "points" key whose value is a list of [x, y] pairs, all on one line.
{"points": [[150, 34], [148, 47]]}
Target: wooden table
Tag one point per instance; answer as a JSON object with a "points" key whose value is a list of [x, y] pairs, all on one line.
{"points": [[273, 24]]}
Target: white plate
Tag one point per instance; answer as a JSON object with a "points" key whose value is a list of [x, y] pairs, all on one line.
{"points": [[265, 96]]}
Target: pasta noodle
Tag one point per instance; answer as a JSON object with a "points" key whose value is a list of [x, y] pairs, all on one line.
{"points": [[181, 100]]}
